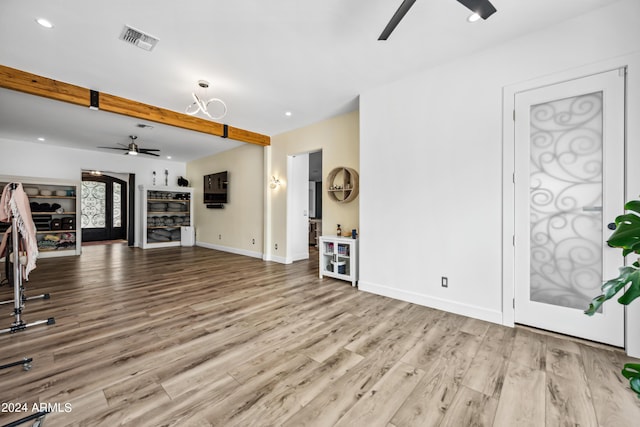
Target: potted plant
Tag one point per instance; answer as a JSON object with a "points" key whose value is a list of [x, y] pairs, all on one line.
{"points": [[627, 237]]}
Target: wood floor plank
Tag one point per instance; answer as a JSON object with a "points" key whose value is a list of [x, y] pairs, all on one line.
{"points": [[522, 400], [529, 349], [569, 401], [377, 407], [189, 336], [291, 394], [332, 403], [489, 367], [614, 403], [471, 408], [438, 339], [475, 327], [430, 399], [238, 408]]}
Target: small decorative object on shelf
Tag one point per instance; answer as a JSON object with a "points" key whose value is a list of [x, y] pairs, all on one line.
{"points": [[339, 230], [354, 233]]}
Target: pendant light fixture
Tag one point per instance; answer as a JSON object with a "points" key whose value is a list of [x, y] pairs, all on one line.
{"points": [[200, 104]]}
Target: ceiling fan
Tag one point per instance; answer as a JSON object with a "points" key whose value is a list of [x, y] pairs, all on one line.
{"points": [[483, 8], [133, 150]]}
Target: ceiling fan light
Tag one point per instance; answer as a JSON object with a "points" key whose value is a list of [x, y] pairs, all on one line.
{"points": [[132, 153], [473, 17]]}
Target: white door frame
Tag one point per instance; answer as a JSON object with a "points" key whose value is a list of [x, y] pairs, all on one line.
{"points": [[632, 63]]}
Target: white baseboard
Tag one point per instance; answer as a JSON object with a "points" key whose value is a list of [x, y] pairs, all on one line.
{"points": [[281, 260], [429, 301], [244, 252]]}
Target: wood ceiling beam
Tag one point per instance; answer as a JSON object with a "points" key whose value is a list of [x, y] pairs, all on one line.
{"points": [[22, 81], [13, 79]]}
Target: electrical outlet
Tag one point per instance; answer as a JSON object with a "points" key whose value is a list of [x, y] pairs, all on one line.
{"points": [[219, 236], [445, 282], [253, 241], [276, 246]]}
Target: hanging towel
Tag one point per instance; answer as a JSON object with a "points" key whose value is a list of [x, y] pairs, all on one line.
{"points": [[16, 203]]}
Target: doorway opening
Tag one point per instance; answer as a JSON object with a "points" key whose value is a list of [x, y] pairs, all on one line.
{"points": [[105, 207], [315, 198], [304, 211]]}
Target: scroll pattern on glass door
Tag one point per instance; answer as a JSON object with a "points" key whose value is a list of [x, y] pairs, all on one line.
{"points": [[93, 204], [566, 200]]}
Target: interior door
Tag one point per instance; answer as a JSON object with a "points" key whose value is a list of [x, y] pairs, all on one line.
{"points": [[104, 208], [569, 184]]}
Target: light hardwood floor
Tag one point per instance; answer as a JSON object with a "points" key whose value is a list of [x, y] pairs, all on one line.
{"points": [[196, 337]]}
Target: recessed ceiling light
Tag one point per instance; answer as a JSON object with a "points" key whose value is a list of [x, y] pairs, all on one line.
{"points": [[41, 139], [473, 17], [44, 23], [288, 114], [168, 157]]}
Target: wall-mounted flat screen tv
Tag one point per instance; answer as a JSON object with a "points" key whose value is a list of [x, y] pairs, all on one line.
{"points": [[216, 187]]}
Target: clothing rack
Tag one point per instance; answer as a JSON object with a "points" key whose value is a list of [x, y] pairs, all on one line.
{"points": [[37, 418], [19, 297]]}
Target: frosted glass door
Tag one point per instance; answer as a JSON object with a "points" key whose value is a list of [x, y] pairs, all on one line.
{"points": [[569, 163], [565, 196], [94, 204]]}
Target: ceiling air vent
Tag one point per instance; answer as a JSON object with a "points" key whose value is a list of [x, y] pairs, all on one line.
{"points": [[138, 38]]}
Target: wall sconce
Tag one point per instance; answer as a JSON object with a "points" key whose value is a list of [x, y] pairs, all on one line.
{"points": [[274, 183]]}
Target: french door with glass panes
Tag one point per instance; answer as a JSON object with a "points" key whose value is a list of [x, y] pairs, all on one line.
{"points": [[569, 184], [104, 208]]}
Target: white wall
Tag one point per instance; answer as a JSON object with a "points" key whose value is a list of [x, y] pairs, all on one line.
{"points": [[338, 139], [431, 160], [23, 159], [239, 227]]}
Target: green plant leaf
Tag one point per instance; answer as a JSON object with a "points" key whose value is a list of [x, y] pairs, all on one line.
{"points": [[633, 291], [627, 232], [628, 274], [633, 205], [631, 371], [627, 237]]}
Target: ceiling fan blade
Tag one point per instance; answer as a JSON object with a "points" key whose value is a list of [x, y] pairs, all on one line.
{"points": [[148, 149], [396, 18], [149, 154], [484, 8], [115, 148]]}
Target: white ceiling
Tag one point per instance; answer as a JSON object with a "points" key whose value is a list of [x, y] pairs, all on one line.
{"points": [[262, 58]]}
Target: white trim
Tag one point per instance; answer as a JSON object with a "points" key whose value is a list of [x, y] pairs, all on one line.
{"points": [[229, 249], [278, 259], [475, 312], [268, 197]]}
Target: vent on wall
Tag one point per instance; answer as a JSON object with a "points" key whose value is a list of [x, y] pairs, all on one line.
{"points": [[138, 38]]}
